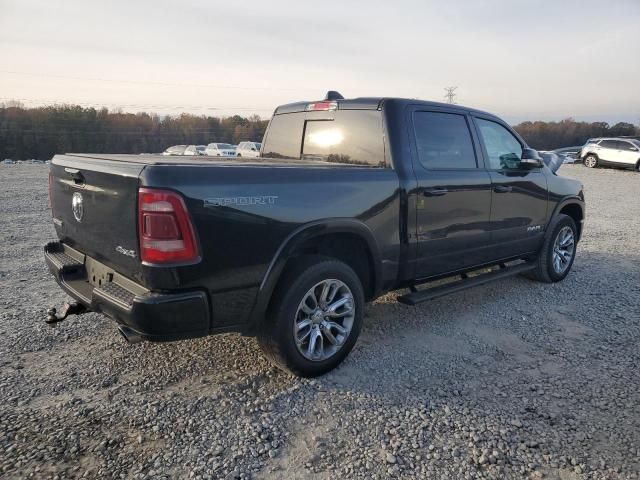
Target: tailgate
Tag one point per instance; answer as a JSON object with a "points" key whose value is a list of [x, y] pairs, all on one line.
{"points": [[94, 205]]}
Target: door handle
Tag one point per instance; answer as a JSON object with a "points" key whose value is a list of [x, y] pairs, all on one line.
{"points": [[502, 188], [435, 192], [75, 174]]}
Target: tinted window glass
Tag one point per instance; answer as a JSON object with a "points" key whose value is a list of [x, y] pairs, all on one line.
{"points": [[443, 140], [284, 137], [354, 136], [351, 136], [623, 145], [503, 148], [609, 144]]}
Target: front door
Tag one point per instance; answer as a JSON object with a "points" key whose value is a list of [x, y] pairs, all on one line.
{"points": [[519, 194], [453, 194], [608, 151]]}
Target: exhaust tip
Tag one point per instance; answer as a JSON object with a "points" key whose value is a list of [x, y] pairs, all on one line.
{"points": [[129, 335]]}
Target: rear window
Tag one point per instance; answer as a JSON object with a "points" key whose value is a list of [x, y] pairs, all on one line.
{"points": [[343, 136]]}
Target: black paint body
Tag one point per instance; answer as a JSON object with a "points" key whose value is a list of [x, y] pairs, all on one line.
{"points": [[410, 234]]}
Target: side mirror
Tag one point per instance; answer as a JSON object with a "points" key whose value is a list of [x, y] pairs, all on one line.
{"points": [[531, 158]]}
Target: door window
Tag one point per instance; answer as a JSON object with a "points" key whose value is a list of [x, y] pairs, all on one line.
{"points": [[624, 145], [503, 148], [609, 144], [443, 141]]}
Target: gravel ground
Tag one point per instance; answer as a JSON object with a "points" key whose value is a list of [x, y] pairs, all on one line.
{"points": [[514, 379]]}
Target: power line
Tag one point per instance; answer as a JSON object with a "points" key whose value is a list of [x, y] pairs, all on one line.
{"points": [[450, 96], [168, 84], [52, 102]]}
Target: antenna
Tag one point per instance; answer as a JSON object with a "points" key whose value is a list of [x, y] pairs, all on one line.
{"points": [[451, 94]]}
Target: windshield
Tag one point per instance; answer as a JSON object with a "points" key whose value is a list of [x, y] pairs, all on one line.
{"points": [[200, 147], [225, 146]]}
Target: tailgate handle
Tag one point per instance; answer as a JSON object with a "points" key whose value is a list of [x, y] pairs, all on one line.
{"points": [[75, 174]]}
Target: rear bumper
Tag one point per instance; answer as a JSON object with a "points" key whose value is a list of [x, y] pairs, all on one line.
{"points": [[154, 316]]}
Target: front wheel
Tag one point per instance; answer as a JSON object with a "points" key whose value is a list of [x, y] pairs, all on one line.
{"points": [[315, 317], [591, 161], [558, 251]]}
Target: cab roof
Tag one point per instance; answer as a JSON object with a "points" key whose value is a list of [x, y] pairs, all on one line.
{"points": [[373, 103]]}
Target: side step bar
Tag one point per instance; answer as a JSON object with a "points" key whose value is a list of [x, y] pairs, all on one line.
{"points": [[420, 296]]}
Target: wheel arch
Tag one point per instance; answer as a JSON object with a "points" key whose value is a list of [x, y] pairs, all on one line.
{"points": [[574, 208], [325, 237]]}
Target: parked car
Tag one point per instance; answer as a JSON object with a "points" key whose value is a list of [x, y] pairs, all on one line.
{"points": [[192, 150], [616, 152], [353, 198], [570, 154], [175, 150], [248, 149], [220, 150]]}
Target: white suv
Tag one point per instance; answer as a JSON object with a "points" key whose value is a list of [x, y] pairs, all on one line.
{"points": [[220, 150], [248, 149], [194, 150], [175, 150], [616, 152]]}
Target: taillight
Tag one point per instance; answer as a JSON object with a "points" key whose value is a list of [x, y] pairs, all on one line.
{"points": [[165, 228], [322, 106]]}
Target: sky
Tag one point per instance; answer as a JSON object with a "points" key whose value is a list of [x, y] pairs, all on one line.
{"points": [[522, 60]]}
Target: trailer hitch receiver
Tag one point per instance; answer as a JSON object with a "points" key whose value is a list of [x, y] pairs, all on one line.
{"points": [[54, 317]]}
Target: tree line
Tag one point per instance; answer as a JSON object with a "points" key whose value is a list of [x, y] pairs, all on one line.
{"points": [[44, 131], [569, 133]]}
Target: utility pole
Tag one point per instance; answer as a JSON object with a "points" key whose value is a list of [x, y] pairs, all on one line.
{"points": [[451, 94]]}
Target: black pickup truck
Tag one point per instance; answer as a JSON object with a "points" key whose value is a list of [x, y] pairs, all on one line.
{"points": [[348, 200]]}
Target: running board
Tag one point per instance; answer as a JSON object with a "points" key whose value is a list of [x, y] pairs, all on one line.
{"points": [[420, 296]]}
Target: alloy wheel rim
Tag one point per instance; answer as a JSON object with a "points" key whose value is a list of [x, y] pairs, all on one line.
{"points": [[590, 162], [324, 320], [563, 249]]}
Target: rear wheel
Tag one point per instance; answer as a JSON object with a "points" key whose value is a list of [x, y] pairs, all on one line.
{"points": [[315, 317], [558, 251], [591, 161]]}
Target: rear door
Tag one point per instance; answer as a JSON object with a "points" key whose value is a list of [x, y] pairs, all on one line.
{"points": [[519, 197], [453, 195], [94, 208], [628, 152]]}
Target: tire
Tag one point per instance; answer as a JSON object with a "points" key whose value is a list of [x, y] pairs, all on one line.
{"points": [[285, 317], [238, 155], [638, 166], [546, 270], [590, 161]]}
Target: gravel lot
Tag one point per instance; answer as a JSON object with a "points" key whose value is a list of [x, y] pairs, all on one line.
{"points": [[514, 379]]}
